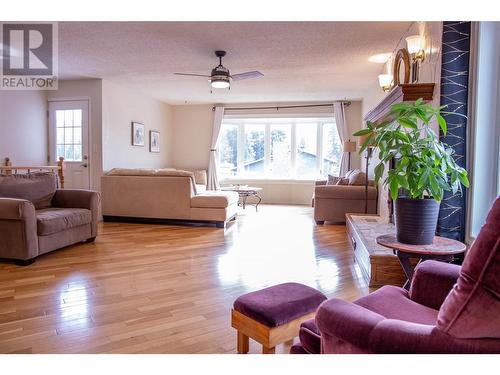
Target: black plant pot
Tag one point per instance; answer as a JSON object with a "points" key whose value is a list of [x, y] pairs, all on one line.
{"points": [[416, 220]]}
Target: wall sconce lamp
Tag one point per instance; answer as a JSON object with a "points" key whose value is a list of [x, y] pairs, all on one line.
{"points": [[385, 81], [416, 45]]}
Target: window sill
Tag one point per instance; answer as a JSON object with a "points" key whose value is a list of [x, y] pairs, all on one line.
{"points": [[268, 181]]}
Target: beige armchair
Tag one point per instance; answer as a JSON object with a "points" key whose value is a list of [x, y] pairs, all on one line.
{"points": [[332, 202]]}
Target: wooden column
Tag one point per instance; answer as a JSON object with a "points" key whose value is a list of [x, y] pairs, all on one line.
{"points": [[8, 163], [60, 171]]}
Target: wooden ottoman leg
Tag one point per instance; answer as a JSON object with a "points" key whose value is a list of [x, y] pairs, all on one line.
{"points": [[242, 343], [266, 350]]}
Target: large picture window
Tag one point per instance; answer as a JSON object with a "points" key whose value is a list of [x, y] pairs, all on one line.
{"points": [[279, 148]]}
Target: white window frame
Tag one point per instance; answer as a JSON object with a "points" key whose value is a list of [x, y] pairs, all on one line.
{"points": [[320, 121]]}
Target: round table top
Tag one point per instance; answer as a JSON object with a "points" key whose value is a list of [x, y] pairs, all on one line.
{"points": [[440, 246], [241, 188]]}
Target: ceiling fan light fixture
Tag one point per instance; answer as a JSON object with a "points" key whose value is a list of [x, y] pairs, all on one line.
{"points": [[220, 82]]}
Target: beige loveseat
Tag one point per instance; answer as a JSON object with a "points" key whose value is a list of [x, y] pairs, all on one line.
{"points": [[164, 194]]}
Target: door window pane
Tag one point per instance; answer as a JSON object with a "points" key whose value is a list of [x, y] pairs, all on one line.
{"points": [[280, 156], [332, 150], [77, 117], [60, 119], [228, 151], [60, 135], [253, 164], [69, 134], [68, 153], [306, 143], [77, 136], [68, 118], [78, 152], [60, 151]]}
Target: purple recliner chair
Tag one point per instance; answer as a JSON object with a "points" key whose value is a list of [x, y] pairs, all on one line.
{"points": [[449, 309]]}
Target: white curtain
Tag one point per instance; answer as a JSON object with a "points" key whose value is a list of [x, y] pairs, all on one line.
{"points": [[339, 113], [213, 181]]}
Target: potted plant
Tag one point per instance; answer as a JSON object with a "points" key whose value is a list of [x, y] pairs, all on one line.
{"points": [[424, 167]]}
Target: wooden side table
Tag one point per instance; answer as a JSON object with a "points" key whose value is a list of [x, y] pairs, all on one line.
{"points": [[442, 249]]}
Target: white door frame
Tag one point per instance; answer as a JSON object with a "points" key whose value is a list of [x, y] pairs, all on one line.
{"points": [[51, 135]]}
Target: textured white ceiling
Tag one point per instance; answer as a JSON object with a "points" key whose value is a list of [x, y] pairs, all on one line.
{"points": [[301, 61]]}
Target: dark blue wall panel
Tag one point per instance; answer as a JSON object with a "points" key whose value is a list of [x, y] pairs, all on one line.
{"points": [[454, 94]]}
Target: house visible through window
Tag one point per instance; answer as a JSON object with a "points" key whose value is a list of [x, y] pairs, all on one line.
{"points": [[279, 148]]}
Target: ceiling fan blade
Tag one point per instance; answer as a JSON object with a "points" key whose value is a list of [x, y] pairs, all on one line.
{"points": [[190, 74], [247, 75]]}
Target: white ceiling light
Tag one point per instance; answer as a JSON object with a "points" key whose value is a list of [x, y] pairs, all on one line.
{"points": [[220, 82], [380, 58]]}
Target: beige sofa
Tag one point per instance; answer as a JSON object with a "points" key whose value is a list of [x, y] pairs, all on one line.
{"points": [[332, 202], [167, 194], [36, 217]]}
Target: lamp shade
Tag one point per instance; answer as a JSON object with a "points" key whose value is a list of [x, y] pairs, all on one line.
{"points": [[415, 43], [349, 146], [385, 80]]}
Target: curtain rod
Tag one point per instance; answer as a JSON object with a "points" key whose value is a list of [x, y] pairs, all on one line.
{"points": [[347, 103]]}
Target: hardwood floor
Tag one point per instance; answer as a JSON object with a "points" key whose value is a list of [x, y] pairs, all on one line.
{"points": [[167, 289]]}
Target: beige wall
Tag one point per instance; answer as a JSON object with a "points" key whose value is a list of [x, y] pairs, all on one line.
{"points": [[430, 71], [23, 127], [192, 132], [122, 106]]}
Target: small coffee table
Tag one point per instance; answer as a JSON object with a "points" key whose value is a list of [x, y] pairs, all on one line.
{"points": [[244, 192], [442, 249]]}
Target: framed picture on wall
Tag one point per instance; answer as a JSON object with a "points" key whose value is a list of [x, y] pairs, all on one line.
{"points": [[154, 141], [137, 134]]}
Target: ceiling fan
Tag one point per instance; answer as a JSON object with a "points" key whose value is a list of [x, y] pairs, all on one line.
{"points": [[220, 78]]}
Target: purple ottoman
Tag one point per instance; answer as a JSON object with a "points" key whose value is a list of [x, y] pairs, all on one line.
{"points": [[273, 315]]}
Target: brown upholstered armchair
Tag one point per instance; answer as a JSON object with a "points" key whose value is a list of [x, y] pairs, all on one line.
{"points": [[36, 217]]}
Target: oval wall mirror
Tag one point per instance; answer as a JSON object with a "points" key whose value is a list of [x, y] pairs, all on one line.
{"points": [[401, 71]]}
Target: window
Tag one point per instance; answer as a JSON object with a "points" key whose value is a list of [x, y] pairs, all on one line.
{"points": [[280, 162], [69, 134], [253, 163], [332, 150], [279, 148], [228, 151], [307, 150]]}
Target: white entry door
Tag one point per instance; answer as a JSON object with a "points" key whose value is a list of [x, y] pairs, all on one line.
{"points": [[69, 138]]}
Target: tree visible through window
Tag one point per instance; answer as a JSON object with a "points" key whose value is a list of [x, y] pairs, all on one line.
{"points": [[279, 148]]}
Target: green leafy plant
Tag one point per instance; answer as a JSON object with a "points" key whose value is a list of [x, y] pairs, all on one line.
{"points": [[424, 165]]}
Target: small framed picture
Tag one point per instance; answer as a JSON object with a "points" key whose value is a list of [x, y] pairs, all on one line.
{"points": [[154, 141], [137, 134]]}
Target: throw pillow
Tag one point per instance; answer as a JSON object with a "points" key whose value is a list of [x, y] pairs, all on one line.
{"points": [[343, 181], [332, 180], [358, 178], [352, 171], [38, 188], [200, 177]]}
